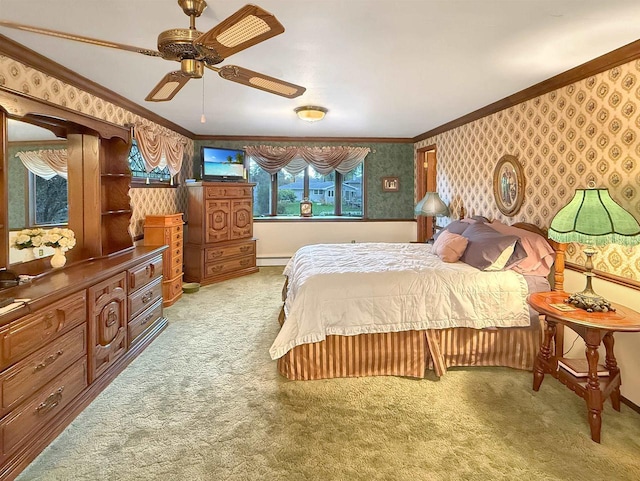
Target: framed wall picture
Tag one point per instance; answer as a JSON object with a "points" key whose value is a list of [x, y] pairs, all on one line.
{"points": [[390, 184], [508, 185]]}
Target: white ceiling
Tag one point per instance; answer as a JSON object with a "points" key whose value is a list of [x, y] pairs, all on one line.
{"points": [[385, 68]]}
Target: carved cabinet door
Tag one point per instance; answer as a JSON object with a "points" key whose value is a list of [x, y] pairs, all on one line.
{"points": [[242, 216], [107, 324], [216, 221]]}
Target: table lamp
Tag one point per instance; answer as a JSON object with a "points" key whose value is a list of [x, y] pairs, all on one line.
{"points": [[431, 205], [593, 218]]}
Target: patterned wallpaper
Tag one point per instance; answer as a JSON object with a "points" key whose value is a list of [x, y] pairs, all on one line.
{"points": [[19, 77], [587, 130], [385, 160]]}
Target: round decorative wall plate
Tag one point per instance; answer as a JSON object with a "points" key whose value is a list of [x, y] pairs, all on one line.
{"points": [[508, 185]]}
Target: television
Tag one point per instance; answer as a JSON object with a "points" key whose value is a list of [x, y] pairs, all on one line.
{"points": [[220, 164]]}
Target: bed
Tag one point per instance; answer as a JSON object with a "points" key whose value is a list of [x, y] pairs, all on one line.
{"points": [[399, 309]]}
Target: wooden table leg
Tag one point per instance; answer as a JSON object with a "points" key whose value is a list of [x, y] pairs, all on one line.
{"points": [[612, 367], [593, 394], [545, 353]]}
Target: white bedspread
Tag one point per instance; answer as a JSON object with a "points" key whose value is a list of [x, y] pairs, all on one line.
{"points": [[349, 289]]}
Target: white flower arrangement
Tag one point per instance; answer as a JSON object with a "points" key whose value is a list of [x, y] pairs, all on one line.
{"points": [[28, 238], [56, 237]]}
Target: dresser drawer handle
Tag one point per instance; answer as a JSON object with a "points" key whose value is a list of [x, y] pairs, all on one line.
{"points": [[245, 262], [245, 248], [112, 318], [217, 268], [49, 319], [48, 360], [216, 254], [146, 319], [150, 270], [147, 297], [51, 402]]}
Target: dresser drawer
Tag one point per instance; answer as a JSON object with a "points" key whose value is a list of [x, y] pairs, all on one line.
{"points": [[174, 256], [144, 321], [174, 272], [213, 254], [218, 268], [26, 377], [41, 408], [173, 236], [175, 246], [145, 273], [144, 297], [24, 336], [173, 289], [216, 192], [176, 235]]}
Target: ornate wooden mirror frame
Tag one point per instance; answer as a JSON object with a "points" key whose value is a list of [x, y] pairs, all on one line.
{"points": [[508, 185], [99, 208]]}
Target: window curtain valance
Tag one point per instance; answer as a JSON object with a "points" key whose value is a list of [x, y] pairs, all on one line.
{"points": [[45, 163], [295, 159], [159, 147]]}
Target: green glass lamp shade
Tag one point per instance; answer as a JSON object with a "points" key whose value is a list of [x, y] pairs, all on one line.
{"points": [[592, 217], [431, 205]]}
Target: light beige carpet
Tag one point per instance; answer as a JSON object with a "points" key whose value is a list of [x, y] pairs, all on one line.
{"points": [[205, 402]]}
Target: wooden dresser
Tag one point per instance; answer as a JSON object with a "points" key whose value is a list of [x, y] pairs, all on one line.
{"points": [[219, 242], [79, 329], [167, 230]]}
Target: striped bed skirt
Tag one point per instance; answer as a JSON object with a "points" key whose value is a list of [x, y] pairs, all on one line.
{"points": [[411, 353]]}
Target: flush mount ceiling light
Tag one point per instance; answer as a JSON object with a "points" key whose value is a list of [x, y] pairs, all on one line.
{"points": [[310, 113]]}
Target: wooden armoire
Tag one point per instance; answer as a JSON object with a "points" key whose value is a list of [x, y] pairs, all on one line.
{"points": [[219, 241]]}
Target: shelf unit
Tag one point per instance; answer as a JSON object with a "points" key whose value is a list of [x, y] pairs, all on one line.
{"points": [[115, 203]]}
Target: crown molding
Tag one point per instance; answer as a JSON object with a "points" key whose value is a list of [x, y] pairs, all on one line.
{"points": [[598, 65], [29, 57], [355, 140]]}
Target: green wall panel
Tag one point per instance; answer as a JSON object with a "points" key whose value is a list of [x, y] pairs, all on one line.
{"points": [[385, 160]]}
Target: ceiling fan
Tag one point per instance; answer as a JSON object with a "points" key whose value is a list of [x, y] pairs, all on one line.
{"points": [[195, 50]]}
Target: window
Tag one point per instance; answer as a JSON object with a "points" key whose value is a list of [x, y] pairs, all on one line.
{"points": [[48, 200], [136, 164], [323, 190], [352, 193]]}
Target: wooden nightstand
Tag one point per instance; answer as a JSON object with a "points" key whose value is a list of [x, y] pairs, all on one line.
{"points": [[594, 328]]}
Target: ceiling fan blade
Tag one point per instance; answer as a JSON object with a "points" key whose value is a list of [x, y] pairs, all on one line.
{"points": [[79, 38], [168, 87], [260, 81], [248, 26]]}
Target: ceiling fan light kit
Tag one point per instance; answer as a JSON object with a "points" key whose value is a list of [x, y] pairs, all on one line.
{"points": [[310, 113], [196, 50]]}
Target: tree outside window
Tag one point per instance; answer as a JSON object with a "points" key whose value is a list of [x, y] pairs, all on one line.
{"points": [[48, 200]]}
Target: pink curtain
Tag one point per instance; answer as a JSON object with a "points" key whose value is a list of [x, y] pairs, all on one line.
{"points": [[159, 147], [295, 159], [45, 163]]}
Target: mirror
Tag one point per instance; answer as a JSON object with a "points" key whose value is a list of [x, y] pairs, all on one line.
{"points": [[37, 184]]}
